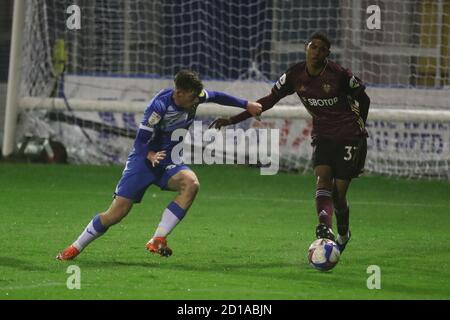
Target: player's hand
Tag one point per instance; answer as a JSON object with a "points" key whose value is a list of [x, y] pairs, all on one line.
{"points": [[254, 108], [219, 123], [156, 157]]}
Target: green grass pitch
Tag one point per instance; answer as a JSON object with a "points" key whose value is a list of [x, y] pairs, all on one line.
{"points": [[245, 237]]}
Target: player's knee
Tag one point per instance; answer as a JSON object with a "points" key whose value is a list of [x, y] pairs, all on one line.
{"points": [[324, 182], [192, 185]]}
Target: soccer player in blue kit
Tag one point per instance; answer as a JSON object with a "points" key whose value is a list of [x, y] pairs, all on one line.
{"points": [[150, 162]]}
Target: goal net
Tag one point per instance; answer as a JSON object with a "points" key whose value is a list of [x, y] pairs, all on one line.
{"points": [[87, 87]]}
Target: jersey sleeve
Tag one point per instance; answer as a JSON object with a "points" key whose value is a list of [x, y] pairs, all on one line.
{"points": [[152, 116], [221, 98], [284, 85], [351, 84], [282, 88]]}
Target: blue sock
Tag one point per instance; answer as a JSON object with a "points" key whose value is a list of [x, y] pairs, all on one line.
{"points": [[97, 224]]}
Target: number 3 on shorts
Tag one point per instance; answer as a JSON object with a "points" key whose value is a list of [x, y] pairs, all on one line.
{"points": [[348, 150]]}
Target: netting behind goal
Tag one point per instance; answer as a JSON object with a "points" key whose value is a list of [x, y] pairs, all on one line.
{"points": [[128, 50]]}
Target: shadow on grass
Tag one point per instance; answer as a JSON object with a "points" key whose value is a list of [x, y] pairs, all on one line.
{"points": [[85, 263], [171, 264], [20, 264]]}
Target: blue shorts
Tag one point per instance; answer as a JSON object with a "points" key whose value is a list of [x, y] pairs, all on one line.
{"points": [[138, 175]]}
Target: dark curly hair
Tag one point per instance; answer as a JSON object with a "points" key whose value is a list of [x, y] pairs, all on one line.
{"points": [[188, 80]]}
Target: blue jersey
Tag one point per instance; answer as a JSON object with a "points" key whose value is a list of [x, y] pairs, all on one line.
{"points": [[162, 116]]}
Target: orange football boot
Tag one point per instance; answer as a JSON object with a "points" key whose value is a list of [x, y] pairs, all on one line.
{"points": [[68, 254], [159, 245]]}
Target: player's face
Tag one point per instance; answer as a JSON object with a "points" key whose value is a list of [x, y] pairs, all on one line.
{"points": [[186, 99], [316, 52]]}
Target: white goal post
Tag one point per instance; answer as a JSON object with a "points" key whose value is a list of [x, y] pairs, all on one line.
{"points": [[12, 105]]}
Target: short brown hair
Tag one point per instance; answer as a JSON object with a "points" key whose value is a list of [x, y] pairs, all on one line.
{"points": [[188, 80]]}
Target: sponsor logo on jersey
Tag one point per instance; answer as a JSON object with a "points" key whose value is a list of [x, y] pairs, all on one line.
{"points": [[322, 102], [154, 119], [353, 83]]}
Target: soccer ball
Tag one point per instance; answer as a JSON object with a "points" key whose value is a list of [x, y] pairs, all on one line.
{"points": [[323, 254]]}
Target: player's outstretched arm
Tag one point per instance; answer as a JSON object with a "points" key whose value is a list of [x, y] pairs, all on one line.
{"points": [[266, 102], [254, 109]]}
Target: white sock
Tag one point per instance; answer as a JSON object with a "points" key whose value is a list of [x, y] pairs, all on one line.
{"points": [[93, 231], [172, 215], [343, 239], [168, 222]]}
